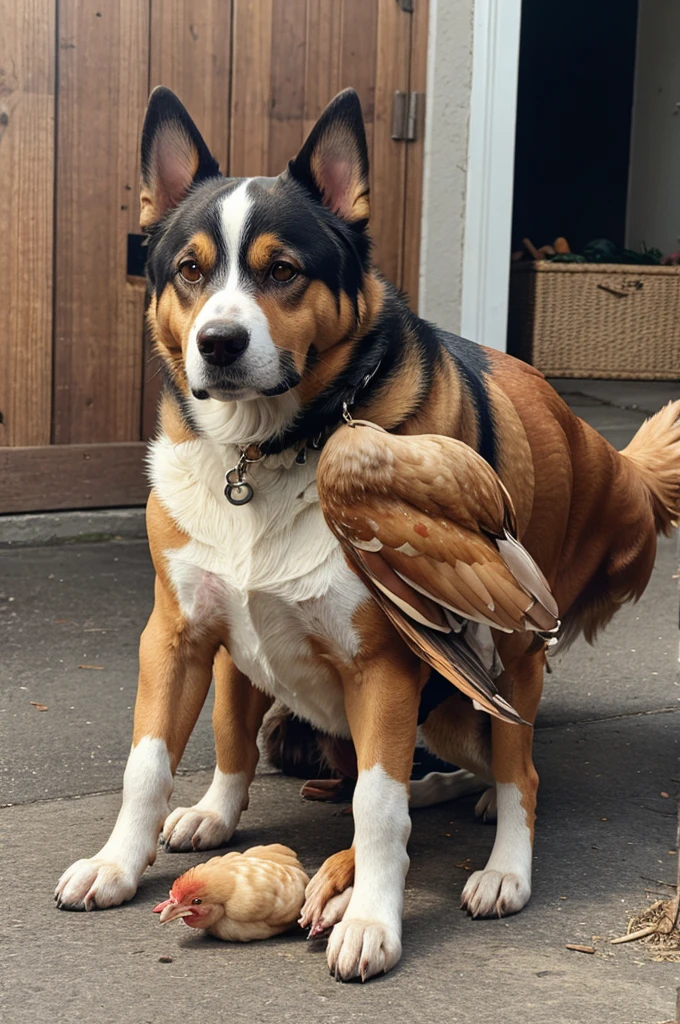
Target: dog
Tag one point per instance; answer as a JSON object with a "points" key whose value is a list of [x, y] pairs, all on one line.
{"points": [[270, 317]]}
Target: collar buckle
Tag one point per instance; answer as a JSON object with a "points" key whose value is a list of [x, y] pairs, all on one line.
{"points": [[238, 491]]}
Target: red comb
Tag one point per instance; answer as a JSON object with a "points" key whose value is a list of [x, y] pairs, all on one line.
{"points": [[184, 886]]}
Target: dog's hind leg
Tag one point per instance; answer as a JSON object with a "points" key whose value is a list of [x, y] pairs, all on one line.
{"points": [[175, 670], [504, 886], [439, 787], [237, 716]]}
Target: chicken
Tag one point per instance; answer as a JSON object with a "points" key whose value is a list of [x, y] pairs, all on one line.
{"points": [[431, 530], [241, 896]]}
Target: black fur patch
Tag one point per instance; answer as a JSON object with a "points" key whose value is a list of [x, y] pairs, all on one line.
{"points": [[472, 363], [171, 388], [437, 689]]}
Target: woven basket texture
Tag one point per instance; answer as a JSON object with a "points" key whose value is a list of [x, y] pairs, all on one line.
{"points": [[596, 320]]}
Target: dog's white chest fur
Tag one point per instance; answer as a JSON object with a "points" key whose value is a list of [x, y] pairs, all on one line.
{"points": [[271, 571]]}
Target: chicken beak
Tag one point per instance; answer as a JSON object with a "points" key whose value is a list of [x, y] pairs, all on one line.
{"points": [[170, 909]]}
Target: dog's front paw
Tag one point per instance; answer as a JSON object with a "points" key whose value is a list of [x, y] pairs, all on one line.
{"points": [[94, 884], [362, 949], [495, 894], [191, 828], [328, 893]]}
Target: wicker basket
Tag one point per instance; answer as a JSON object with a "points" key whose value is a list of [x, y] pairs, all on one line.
{"points": [[596, 320]]}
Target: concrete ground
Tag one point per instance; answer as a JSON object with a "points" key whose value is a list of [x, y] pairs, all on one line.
{"points": [[607, 749]]}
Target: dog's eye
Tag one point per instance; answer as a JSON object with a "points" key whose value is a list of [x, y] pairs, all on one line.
{"points": [[190, 271], [197, 900], [282, 271]]}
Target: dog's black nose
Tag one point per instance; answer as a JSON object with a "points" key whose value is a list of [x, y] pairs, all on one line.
{"points": [[221, 343]]}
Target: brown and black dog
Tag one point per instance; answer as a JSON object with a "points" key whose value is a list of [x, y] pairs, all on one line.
{"points": [[269, 315]]}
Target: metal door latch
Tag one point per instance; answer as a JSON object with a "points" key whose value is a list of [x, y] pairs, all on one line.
{"points": [[405, 111]]}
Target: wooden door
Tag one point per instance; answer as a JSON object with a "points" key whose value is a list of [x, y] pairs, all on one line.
{"points": [[290, 58], [78, 385]]}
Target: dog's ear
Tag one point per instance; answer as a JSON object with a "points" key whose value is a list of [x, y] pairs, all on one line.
{"points": [[174, 156], [333, 163]]}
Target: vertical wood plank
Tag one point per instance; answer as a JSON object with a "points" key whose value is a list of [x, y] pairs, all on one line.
{"points": [[103, 85], [250, 91], [191, 54], [358, 52], [27, 83], [322, 57], [388, 184], [414, 156], [287, 82]]}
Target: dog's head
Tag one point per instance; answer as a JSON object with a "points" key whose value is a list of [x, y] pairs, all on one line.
{"points": [[255, 281]]}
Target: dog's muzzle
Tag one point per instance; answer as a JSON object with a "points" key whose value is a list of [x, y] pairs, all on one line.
{"points": [[221, 343]]}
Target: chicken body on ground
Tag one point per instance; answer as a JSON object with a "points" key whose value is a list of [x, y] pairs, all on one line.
{"points": [[240, 896]]}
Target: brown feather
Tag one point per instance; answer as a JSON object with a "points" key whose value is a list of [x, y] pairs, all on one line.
{"points": [[449, 655], [428, 525]]}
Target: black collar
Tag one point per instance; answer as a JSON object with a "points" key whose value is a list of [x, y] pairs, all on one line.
{"points": [[238, 490], [325, 414]]}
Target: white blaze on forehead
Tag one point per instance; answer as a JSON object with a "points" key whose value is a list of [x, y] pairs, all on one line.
{"points": [[259, 369], [234, 216]]}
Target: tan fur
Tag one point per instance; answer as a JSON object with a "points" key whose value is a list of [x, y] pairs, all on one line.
{"points": [[447, 410], [173, 318], [459, 734], [515, 467], [237, 716], [313, 318], [317, 318], [202, 248], [335, 162], [655, 453], [169, 319], [397, 401], [333, 877], [511, 746], [174, 149], [173, 424], [262, 251], [175, 667], [382, 691]]}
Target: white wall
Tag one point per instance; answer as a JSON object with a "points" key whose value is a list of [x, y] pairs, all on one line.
{"points": [[654, 183], [491, 160], [473, 61], [449, 80]]}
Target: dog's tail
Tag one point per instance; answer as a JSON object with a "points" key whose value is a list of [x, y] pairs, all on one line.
{"points": [[644, 500], [655, 454]]}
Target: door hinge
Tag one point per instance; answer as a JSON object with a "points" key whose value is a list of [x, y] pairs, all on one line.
{"points": [[406, 5], [405, 115]]}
